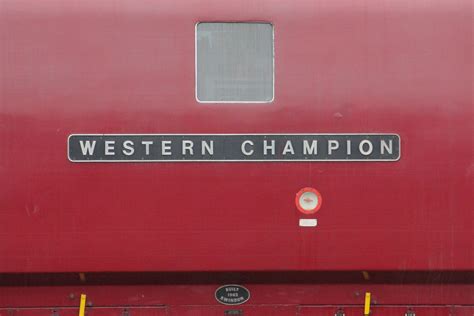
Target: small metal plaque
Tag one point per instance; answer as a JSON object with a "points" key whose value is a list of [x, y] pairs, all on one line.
{"points": [[232, 294], [232, 147], [308, 222]]}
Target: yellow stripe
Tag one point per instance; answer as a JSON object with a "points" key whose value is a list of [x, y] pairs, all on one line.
{"points": [[367, 304], [82, 306]]}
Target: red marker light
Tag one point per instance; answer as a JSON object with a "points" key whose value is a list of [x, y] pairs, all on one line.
{"points": [[308, 200]]}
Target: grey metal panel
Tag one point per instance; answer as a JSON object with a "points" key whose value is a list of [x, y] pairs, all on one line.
{"points": [[234, 62]]}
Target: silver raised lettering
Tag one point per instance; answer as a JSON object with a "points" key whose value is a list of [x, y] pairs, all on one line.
{"points": [[207, 147], [87, 147], [128, 149], [310, 149], [361, 147], [332, 145], [288, 148], [244, 151], [266, 147], [188, 146], [109, 147], [166, 147], [147, 144], [386, 147]]}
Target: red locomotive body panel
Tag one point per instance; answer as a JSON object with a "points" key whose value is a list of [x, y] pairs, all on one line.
{"points": [[128, 67]]}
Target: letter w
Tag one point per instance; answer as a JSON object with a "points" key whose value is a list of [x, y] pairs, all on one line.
{"points": [[87, 148]]}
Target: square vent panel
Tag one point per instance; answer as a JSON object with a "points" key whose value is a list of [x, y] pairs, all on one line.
{"points": [[234, 63]]}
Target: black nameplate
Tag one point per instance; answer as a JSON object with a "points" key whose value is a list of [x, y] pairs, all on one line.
{"points": [[233, 147], [232, 294]]}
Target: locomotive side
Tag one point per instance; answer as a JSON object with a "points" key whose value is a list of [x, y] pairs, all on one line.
{"points": [[366, 106]]}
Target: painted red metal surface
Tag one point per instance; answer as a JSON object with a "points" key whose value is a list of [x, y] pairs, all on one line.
{"points": [[261, 294], [377, 311], [340, 67], [249, 310], [97, 311], [324, 300]]}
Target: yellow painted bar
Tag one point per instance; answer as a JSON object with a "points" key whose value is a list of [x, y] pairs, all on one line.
{"points": [[82, 306], [367, 304]]}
